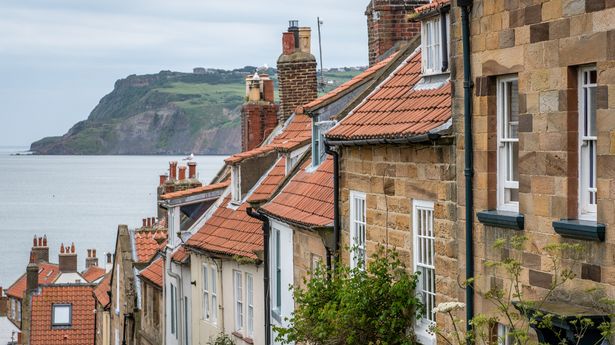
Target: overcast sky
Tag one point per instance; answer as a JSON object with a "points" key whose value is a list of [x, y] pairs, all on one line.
{"points": [[59, 57]]}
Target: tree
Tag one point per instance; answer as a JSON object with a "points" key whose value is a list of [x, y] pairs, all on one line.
{"points": [[355, 306]]}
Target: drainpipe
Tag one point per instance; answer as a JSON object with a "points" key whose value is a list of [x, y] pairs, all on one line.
{"points": [[266, 227], [336, 201], [466, 8]]}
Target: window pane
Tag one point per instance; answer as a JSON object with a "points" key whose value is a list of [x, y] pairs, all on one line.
{"points": [[592, 112], [61, 314]]}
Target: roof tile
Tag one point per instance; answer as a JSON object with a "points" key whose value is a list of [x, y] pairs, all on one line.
{"points": [[47, 274], [93, 273], [153, 272], [396, 109], [194, 191]]}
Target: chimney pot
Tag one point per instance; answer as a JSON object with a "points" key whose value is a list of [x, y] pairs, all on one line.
{"points": [[72, 247], [108, 258], [305, 40], [93, 253], [148, 222], [173, 170], [163, 179], [288, 43], [144, 222], [182, 172], [192, 170], [40, 241], [62, 248], [44, 240], [34, 241]]}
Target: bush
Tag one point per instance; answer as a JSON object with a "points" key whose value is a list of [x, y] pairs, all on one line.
{"points": [[221, 339], [354, 306]]}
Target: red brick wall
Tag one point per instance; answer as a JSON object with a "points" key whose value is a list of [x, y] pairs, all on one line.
{"points": [[257, 121], [392, 25]]}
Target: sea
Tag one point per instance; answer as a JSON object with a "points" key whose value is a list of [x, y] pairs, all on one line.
{"points": [[80, 199]]}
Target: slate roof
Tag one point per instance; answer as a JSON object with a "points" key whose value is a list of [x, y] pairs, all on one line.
{"points": [[100, 291], [357, 80], [396, 109], [47, 274], [81, 331], [194, 191], [230, 231], [153, 272], [145, 244], [307, 199], [270, 182], [93, 273]]}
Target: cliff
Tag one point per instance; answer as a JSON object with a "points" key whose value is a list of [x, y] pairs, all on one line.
{"points": [[169, 113]]}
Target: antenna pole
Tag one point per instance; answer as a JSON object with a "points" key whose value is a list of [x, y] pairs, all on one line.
{"points": [[322, 76]]}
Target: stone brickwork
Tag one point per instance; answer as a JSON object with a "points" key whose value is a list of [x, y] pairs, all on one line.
{"points": [[308, 251], [543, 43], [388, 24], [392, 176], [123, 275], [151, 332], [258, 119]]}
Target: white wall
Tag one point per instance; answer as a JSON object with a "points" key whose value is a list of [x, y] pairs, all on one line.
{"points": [[203, 330]]}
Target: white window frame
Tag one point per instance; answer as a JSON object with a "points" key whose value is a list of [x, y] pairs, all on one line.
{"points": [[206, 294], [431, 45], [506, 145], [423, 235], [66, 321], [249, 305], [214, 295], [358, 229], [276, 273], [504, 337], [238, 300], [236, 184], [587, 145]]}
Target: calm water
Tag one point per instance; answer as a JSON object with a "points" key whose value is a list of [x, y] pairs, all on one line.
{"points": [[79, 199]]}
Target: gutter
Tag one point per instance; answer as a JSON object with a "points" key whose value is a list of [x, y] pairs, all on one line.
{"points": [[266, 227], [466, 8], [336, 206]]}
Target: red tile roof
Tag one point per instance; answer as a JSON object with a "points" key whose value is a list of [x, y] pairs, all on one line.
{"points": [[180, 255], [100, 291], [194, 191], [433, 4], [229, 231], [47, 274], [83, 322], [358, 79], [153, 272], [270, 182], [146, 245], [396, 110], [93, 273], [296, 134], [307, 199]]}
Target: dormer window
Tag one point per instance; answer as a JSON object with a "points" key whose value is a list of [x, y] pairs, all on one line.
{"points": [[236, 184], [435, 44], [61, 315], [318, 140]]}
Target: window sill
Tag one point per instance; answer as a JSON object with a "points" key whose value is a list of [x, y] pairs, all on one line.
{"points": [[502, 219], [580, 229], [238, 335], [248, 340]]}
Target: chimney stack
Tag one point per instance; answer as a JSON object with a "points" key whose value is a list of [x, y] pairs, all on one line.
{"points": [[389, 25], [296, 70], [67, 259], [182, 172], [32, 275], [192, 170], [259, 115], [91, 260], [40, 249]]}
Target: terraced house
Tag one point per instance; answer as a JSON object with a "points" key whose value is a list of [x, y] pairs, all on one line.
{"points": [[542, 118]]}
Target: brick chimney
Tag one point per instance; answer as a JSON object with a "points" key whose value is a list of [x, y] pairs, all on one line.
{"points": [[67, 259], [192, 170], [91, 260], [259, 115], [172, 170], [389, 25], [40, 250], [296, 70]]}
